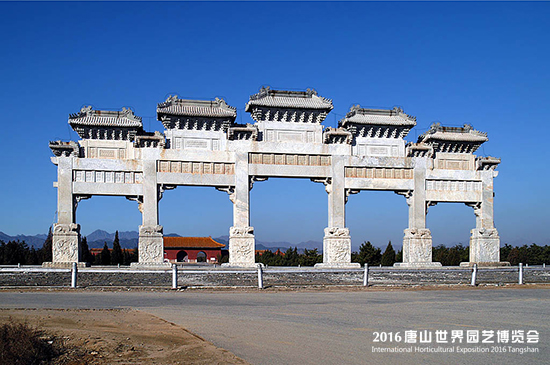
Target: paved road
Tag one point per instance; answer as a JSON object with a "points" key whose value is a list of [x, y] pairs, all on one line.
{"points": [[329, 327]]}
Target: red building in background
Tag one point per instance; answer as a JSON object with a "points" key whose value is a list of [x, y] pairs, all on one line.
{"points": [[192, 249]]}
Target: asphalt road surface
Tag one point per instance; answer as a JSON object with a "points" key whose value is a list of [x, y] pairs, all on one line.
{"points": [[336, 327]]}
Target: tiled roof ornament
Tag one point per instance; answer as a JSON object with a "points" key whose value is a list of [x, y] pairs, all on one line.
{"points": [[60, 148], [337, 136], [288, 106], [377, 123], [463, 139], [106, 124], [176, 113]]}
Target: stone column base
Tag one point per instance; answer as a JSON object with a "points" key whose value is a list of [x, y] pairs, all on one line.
{"points": [[484, 246], [150, 246], [65, 243], [417, 249], [241, 247], [337, 249]]}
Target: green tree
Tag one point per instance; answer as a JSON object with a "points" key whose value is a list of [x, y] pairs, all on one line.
{"points": [[399, 256], [32, 257], [116, 255], [45, 254], [310, 257], [86, 254], [105, 255], [368, 254], [388, 257], [291, 257], [13, 253]]}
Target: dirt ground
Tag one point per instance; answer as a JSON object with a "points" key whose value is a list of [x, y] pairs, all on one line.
{"points": [[120, 337]]}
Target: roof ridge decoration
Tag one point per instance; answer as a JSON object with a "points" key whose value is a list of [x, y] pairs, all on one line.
{"points": [[176, 113], [395, 111], [463, 139], [88, 111], [216, 103], [106, 124], [288, 106], [377, 123]]}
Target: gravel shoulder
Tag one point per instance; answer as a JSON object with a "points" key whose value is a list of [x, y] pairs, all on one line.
{"points": [[120, 337]]}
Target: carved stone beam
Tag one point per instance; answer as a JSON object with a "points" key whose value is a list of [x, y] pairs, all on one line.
{"points": [[163, 187], [229, 190], [327, 181], [138, 199], [407, 194], [350, 192], [78, 198], [430, 204], [476, 206], [253, 179]]}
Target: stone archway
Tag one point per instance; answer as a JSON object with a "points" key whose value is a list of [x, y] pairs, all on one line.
{"points": [[182, 256], [201, 256]]}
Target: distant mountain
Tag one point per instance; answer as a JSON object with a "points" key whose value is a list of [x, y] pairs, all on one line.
{"points": [[100, 235], [35, 241]]}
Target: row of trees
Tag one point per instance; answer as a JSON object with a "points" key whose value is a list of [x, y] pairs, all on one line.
{"points": [[368, 254], [18, 252], [290, 257]]}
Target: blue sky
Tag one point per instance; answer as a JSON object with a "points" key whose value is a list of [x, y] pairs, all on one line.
{"points": [[480, 63]]}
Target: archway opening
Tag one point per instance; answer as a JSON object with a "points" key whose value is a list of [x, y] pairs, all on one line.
{"points": [[201, 256], [101, 216], [378, 217], [450, 224], [193, 211], [288, 212], [181, 256]]}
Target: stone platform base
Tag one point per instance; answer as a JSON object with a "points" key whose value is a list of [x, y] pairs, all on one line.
{"points": [[485, 264], [418, 265], [151, 265], [350, 265], [64, 265]]}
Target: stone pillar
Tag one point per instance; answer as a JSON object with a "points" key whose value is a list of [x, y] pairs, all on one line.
{"points": [[151, 244], [241, 235], [484, 241], [66, 233], [417, 242], [337, 239]]}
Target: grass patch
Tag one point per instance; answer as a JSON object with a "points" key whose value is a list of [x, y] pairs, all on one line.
{"points": [[24, 344]]}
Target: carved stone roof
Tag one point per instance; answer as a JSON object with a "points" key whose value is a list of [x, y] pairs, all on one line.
{"points": [[453, 134], [453, 139], [105, 118], [242, 132], [191, 242], [217, 108], [393, 117], [289, 99], [60, 148], [337, 136]]}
